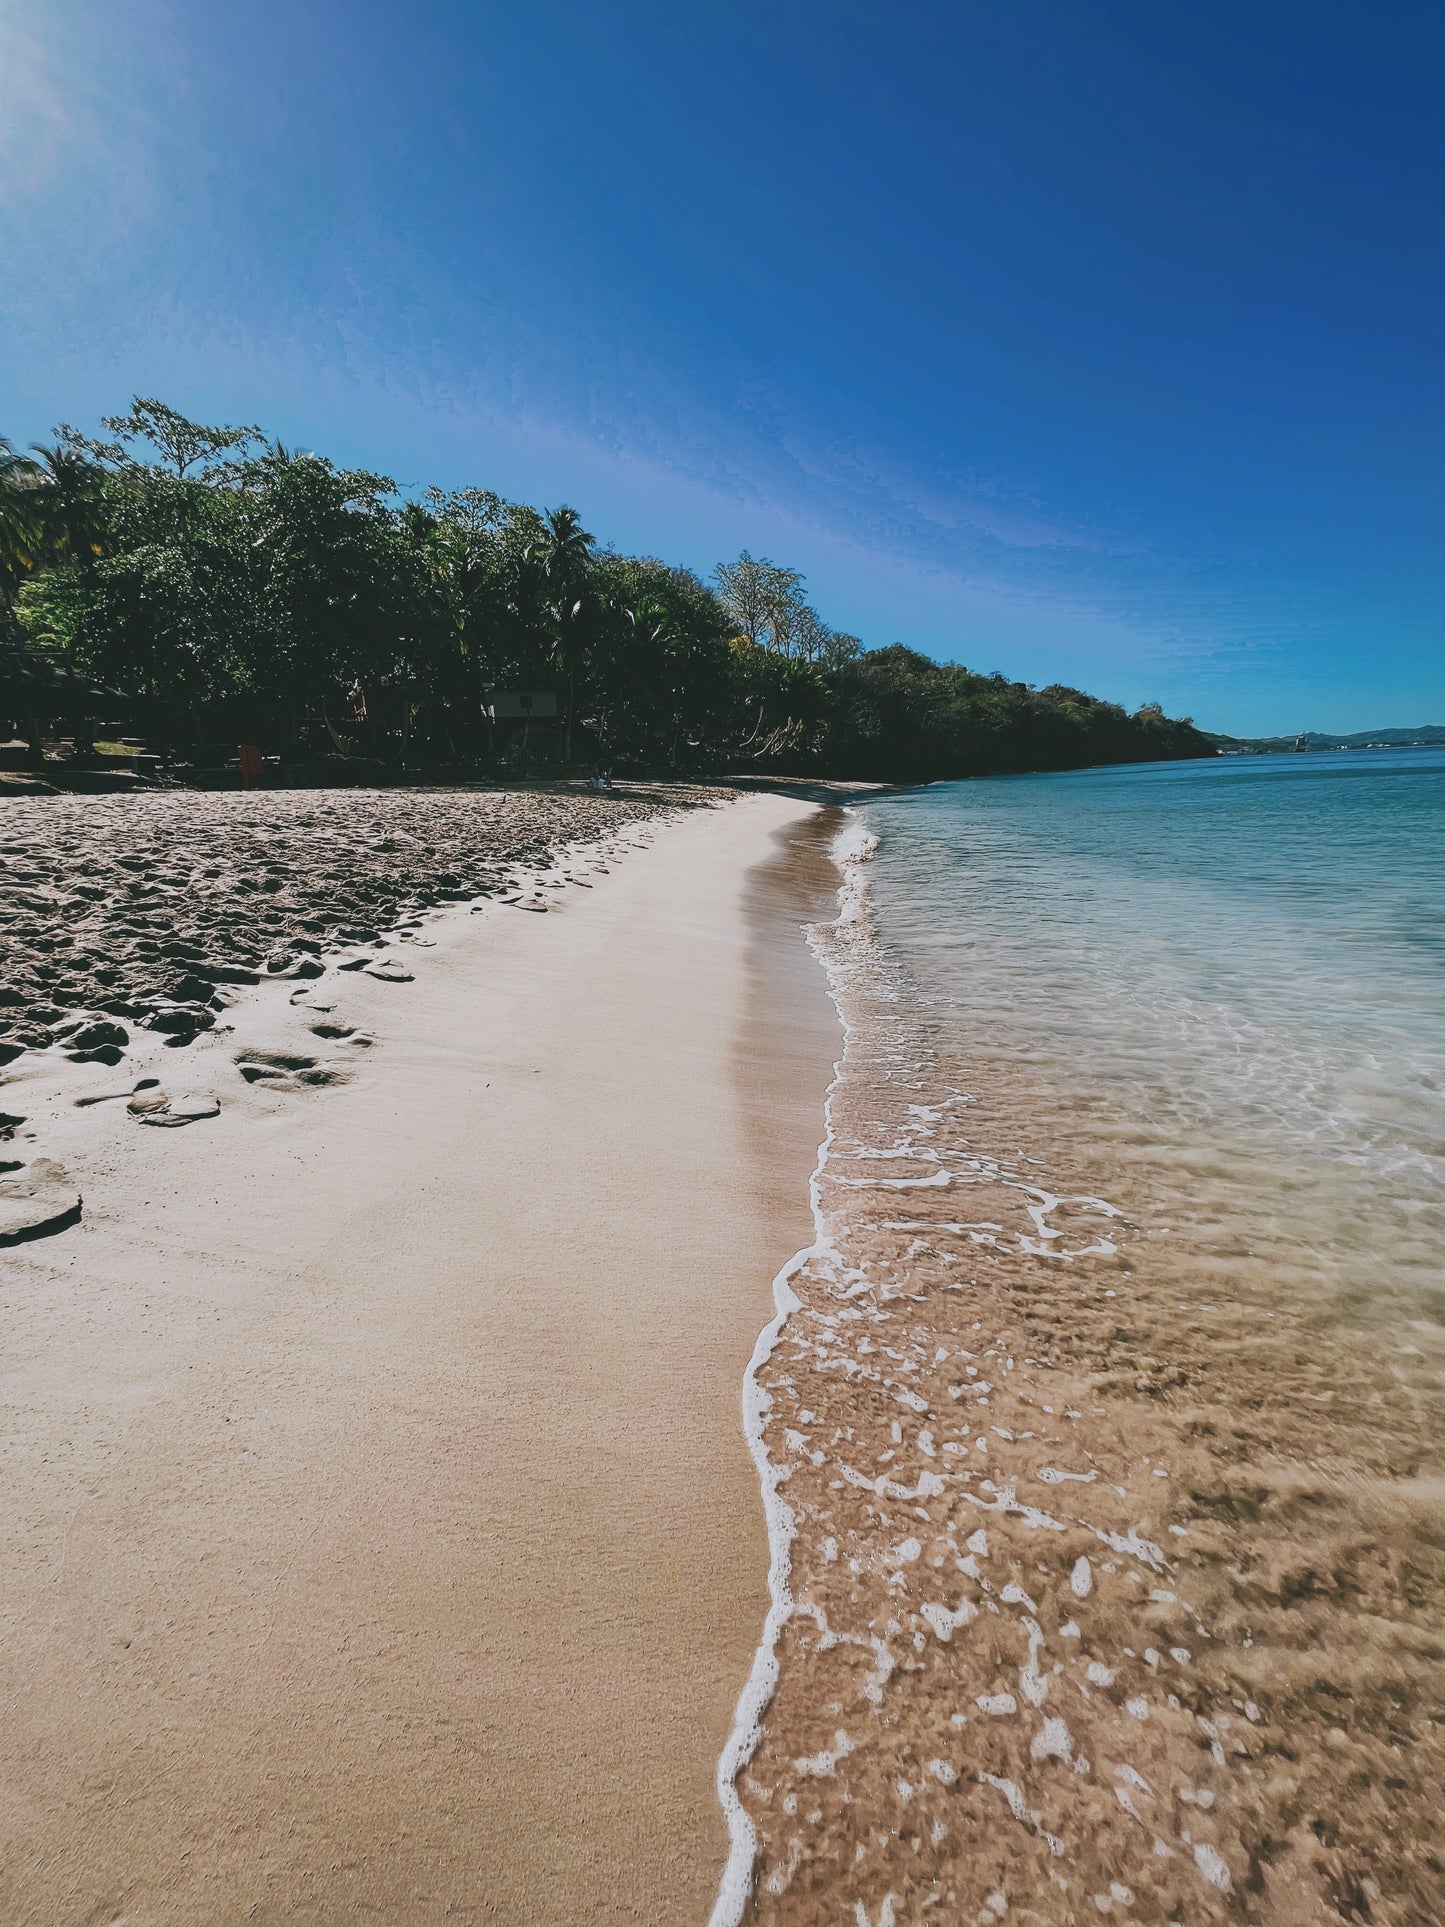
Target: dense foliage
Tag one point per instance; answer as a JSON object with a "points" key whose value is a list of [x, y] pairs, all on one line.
{"points": [[216, 582]]}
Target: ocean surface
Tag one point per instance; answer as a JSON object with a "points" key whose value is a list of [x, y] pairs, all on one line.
{"points": [[1100, 1428], [1212, 989]]}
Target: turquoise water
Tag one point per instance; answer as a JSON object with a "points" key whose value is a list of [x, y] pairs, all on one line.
{"points": [[1212, 991]]}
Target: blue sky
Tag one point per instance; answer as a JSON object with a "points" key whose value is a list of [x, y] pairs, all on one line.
{"points": [[1097, 343]]}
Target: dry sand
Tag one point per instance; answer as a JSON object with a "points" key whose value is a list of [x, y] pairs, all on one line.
{"points": [[120, 915], [379, 1535]]}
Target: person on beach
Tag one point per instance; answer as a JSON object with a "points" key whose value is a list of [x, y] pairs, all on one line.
{"points": [[249, 757]]}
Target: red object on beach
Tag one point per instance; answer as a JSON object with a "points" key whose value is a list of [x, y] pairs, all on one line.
{"points": [[249, 757]]}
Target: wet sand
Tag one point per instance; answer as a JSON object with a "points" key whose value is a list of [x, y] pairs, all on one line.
{"points": [[380, 1536]]}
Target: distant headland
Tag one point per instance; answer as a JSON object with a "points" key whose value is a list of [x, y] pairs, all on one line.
{"points": [[1425, 736]]}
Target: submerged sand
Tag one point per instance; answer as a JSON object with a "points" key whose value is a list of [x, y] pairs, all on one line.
{"points": [[1117, 1578], [380, 1537]]}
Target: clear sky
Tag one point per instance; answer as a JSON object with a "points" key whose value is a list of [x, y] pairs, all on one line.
{"points": [[1092, 342]]}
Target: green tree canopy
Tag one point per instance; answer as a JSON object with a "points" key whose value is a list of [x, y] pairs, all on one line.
{"points": [[188, 566]]}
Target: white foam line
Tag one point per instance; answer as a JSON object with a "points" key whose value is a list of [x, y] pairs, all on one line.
{"points": [[853, 846]]}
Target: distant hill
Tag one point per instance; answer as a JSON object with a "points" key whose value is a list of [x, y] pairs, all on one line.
{"points": [[1426, 734]]}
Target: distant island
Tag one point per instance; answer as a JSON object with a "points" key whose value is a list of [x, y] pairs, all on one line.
{"points": [[1422, 737], [204, 587]]}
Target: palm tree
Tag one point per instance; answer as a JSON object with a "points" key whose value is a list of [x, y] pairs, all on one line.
{"points": [[68, 494], [20, 536], [662, 649], [13, 465], [563, 552]]}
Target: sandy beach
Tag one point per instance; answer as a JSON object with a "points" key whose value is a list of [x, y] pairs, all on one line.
{"points": [[380, 1535]]}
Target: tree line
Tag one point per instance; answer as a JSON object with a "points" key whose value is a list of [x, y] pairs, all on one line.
{"points": [[216, 580]]}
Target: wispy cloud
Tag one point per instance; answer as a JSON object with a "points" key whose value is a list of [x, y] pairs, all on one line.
{"points": [[37, 126]]}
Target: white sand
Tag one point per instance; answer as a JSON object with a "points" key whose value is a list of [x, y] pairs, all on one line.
{"points": [[379, 1536]]}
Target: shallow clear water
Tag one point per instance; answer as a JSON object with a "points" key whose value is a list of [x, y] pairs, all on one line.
{"points": [[1101, 1430], [1218, 987]]}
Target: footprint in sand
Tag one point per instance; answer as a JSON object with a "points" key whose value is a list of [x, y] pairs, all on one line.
{"points": [[36, 1202], [281, 1070], [155, 1106], [343, 1033], [94, 1043]]}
